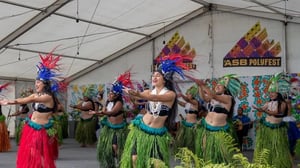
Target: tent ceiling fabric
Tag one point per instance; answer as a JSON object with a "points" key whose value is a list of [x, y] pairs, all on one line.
{"points": [[86, 33]]}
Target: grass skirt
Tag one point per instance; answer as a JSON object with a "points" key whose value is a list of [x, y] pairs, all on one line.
{"points": [[274, 138], [58, 127], [147, 142], [105, 153], [19, 130], [86, 131], [35, 149], [64, 125], [4, 137], [209, 143], [185, 136]]}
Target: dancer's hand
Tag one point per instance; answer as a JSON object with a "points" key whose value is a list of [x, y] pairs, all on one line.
{"points": [[131, 92], [4, 102], [72, 106], [92, 112], [199, 82]]}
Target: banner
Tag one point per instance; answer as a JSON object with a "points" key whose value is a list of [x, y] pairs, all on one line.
{"points": [[254, 50]]}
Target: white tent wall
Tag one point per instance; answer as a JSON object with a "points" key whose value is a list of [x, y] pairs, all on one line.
{"points": [[139, 59], [227, 28], [293, 50]]}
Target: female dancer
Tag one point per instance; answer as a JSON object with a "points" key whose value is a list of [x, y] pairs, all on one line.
{"points": [[114, 127], [35, 149], [272, 131], [209, 135], [86, 129], [149, 137], [61, 122], [186, 133], [4, 141]]}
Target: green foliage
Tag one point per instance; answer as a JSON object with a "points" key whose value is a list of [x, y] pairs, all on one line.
{"points": [[51, 132], [156, 163], [297, 148], [75, 115], [190, 160]]}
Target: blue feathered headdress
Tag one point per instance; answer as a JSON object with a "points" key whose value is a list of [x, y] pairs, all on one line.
{"points": [[123, 80], [48, 70], [174, 63]]}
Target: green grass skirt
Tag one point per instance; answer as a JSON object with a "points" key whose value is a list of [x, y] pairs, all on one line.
{"points": [[105, 153], [148, 143], [215, 144], [19, 130], [274, 138], [86, 131], [64, 125], [185, 136], [58, 127]]}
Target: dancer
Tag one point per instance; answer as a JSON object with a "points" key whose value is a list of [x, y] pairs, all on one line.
{"points": [[185, 137], [114, 127], [86, 129], [220, 103], [293, 131], [149, 137], [35, 149], [272, 131], [61, 122], [4, 140]]}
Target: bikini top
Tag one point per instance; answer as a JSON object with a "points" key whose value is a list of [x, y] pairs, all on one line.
{"points": [[109, 107], [188, 110], [217, 107], [40, 107], [157, 108], [273, 105]]}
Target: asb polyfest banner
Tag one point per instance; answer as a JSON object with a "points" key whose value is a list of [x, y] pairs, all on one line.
{"points": [[254, 49]]}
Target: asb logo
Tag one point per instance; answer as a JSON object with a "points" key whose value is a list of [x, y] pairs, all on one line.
{"points": [[177, 45], [254, 49]]}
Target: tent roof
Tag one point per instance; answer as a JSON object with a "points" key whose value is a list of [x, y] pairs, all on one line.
{"points": [[90, 34]]}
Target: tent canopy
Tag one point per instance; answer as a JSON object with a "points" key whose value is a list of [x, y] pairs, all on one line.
{"points": [[88, 34]]}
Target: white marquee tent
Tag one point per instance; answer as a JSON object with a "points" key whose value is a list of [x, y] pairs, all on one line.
{"points": [[98, 39], [89, 34]]}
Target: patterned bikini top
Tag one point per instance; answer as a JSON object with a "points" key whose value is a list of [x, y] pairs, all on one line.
{"points": [[40, 107], [189, 110], [217, 107], [157, 108]]}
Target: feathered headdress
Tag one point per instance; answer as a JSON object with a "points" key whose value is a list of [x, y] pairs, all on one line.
{"points": [[48, 68], [231, 83], [295, 86], [279, 84], [174, 63], [90, 91], [4, 86], [122, 80], [193, 90]]}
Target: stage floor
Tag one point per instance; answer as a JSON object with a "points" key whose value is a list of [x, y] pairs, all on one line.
{"points": [[73, 156]]}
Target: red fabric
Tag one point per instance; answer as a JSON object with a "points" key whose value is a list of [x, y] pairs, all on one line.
{"points": [[54, 146], [35, 150], [4, 138]]}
